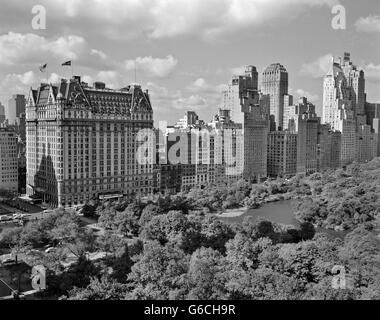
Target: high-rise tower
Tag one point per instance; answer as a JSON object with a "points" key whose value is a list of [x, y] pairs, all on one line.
{"points": [[275, 83], [251, 109]]}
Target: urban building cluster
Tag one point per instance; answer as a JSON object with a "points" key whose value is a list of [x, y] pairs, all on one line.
{"points": [[78, 143], [12, 145], [283, 137]]}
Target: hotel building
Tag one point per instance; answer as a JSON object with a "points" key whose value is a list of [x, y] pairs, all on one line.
{"points": [[82, 142]]}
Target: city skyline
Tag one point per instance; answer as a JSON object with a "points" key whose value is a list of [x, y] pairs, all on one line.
{"points": [[191, 74], [203, 150]]}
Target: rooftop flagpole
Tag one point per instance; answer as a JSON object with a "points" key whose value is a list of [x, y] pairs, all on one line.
{"points": [[69, 63], [135, 71], [44, 68]]}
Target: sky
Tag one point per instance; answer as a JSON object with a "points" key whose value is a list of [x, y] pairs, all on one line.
{"points": [[184, 52]]}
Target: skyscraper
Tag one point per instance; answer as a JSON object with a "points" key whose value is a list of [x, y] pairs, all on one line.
{"points": [[82, 142], [256, 128], [307, 156], [2, 113], [292, 113], [329, 144], [338, 110], [275, 83], [231, 99], [355, 84], [16, 106], [282, 153], [8, 160], [251, 109]]}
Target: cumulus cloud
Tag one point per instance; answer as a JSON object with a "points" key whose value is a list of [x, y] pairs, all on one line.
{"points": [[98, 53], [372, 72], [29, 48], [310, 96], [14, 83], [200, 85], [161, 94], [155, 67], [163, 18], [111, 78], [17, 48], [170, 104], [368, 24], [193, 102], [317, 68], [237, 71]]}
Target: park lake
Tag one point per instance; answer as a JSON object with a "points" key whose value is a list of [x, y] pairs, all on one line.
{"points": [[280, 212]]}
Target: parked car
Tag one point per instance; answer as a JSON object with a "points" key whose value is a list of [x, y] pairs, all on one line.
{"points": [[50, 249], [5, 218]]}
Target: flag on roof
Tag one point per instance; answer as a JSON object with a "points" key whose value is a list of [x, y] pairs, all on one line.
{"points": [[43, 67]]}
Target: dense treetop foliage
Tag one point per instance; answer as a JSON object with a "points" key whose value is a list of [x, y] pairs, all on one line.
{"points": [[175, 247]]}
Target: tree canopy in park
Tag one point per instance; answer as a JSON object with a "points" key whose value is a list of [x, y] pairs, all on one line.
{"points": [[175, 247]]}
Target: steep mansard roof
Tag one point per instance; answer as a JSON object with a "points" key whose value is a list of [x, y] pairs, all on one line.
{"points": [[130, 99]]}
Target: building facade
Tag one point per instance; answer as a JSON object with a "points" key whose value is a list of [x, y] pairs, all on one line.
{"points": [[355, 84], [8, 160], [282, 153], [16, 106], [82, 142], [307, 155], [329, 144], [251, 109], [293, 112], [2, 113], [275, 83]]}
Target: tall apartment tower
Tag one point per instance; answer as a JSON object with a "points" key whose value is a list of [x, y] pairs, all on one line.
{"points": [[275, 83], [376, 133], [307, 155], [282, 153], [8, 160], [231, 97], [82, 142], [256, 128], [16, 106], [2, 113], [329, 144], [365, 143], [356, 85], [293, 112], [338, 111], [372, 111], [251, 109]]}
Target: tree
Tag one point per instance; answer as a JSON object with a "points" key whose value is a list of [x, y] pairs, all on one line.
{"points": [[307, 231], [263, 284], [89, 211], [243, 252], [216, 233], [100, 289], [78, 275], [159, 272], [206, 275], [11, 237], [148, 213]]}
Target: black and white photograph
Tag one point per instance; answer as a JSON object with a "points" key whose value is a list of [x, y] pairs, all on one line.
{"points": [[185, 156]]}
